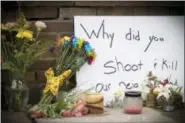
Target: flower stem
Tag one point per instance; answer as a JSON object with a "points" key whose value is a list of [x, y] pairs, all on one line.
{"points": [[18, 99], [38, 32], [49, 99], [42, 98]]}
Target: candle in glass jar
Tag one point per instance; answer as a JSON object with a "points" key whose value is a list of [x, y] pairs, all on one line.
{"points": [[132, 102]]}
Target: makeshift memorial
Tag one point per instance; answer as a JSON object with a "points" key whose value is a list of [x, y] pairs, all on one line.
{"points": [[21, 47], [168, 96], [70, 53], [133, 102]]}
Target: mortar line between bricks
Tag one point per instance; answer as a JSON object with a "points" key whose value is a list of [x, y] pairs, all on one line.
{"points": [[36, 77]]}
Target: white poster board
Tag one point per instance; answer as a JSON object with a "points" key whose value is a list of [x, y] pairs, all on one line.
{"points": [[127, 48]]}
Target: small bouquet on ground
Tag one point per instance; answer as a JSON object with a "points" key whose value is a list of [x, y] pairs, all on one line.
{"points": [[71, 53], [21, 47], [70, 104], [168, 95], [74, 104], [152, 82], [117, 101]]}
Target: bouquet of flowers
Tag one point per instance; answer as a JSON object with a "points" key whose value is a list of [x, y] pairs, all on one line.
{"points": [[21, 47], [70, 53], [148, 88], [168, 95], [152, 80], [117, 101], [70, 104]]}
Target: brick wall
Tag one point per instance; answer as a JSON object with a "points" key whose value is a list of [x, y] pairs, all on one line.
{"points": [[59, 19]]}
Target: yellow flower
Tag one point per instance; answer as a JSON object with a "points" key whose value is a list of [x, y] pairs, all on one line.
{"points": [[80, 43], [66, 38], [61, 41], [25, 34], [118, 92], [155, 92], [3, 27]]}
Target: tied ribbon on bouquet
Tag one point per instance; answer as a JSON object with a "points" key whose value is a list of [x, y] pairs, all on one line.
{"points": [[54, 82]]}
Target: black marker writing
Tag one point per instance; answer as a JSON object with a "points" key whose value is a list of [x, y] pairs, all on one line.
{"points": [[153, 38], [116, 65], [165, 64], [131, 36], [155, 64], [128, 85], [102, 87], [97, 34], [169, 64], [107, 65]]}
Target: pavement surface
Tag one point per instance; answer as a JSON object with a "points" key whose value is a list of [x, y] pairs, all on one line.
{"points": [[148, 115]]}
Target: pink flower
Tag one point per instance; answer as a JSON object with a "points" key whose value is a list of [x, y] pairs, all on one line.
{"points": [[164, 82], [79, 110]]}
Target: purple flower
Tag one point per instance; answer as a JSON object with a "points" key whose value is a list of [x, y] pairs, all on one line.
{"points": [[72, 37], [52, 48]]}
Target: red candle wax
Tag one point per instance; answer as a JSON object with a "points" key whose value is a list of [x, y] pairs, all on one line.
{"points": [[132, 110]]}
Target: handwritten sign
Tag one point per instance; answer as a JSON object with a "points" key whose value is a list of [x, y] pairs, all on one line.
{"points": [[128, 48]]}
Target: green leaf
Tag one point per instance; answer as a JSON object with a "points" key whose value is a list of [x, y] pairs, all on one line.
{"points": [[61, 102], [179, 90], [33, 108], [6, 65], [50, 112]]}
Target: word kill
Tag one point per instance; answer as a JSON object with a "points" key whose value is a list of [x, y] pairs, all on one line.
{"points": [[165, 64], [101, 32]]}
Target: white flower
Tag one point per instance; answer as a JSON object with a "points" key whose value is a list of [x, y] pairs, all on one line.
{"points": [[20, 84], [144, 89], [40, 25], [174, 87], [10, 24], [163, 91], [14, 84]]}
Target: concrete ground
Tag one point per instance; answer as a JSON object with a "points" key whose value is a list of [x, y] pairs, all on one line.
{"points": [[111, 115], [14, 117], [116, 115]]}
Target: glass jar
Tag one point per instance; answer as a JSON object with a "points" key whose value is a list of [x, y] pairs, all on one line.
{"points": [[18, 97], [132, 103], [168, 108]]}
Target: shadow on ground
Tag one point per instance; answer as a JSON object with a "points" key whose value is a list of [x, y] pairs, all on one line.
{"points": [[177, 115]]}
